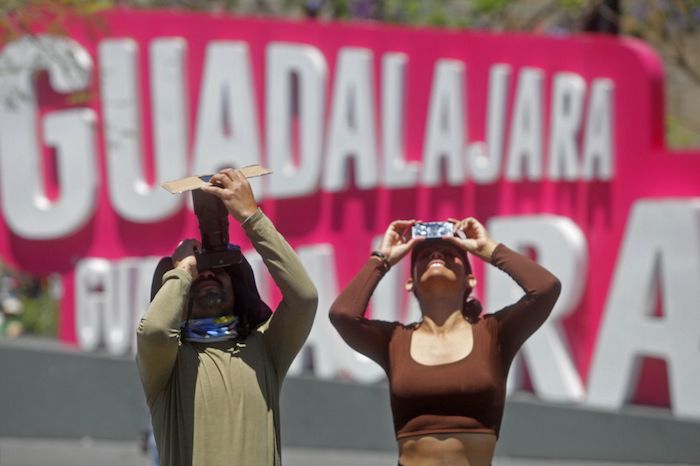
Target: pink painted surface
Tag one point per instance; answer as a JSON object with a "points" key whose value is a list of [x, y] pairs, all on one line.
{"points": [[644, 167]]}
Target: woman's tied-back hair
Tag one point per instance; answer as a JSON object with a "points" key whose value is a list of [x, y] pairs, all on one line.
{"points": [[471, 307], [248, 306]]}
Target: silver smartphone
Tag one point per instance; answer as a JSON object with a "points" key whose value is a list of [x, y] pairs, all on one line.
{"points": [[433, 229]]}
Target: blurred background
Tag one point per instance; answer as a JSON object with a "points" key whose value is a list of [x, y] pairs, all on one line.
{"points": [[96, 413]]}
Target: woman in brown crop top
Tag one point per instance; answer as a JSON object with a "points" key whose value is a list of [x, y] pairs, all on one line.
{"points": [[447, 373]]}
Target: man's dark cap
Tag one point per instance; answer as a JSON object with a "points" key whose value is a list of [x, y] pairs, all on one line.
{"points": [[247, 301]]}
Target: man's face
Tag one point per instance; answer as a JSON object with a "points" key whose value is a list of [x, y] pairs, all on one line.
{"points": [[212, 294]]}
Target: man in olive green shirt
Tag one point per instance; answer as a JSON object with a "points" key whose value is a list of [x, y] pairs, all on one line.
{"points": [[215, 400]]}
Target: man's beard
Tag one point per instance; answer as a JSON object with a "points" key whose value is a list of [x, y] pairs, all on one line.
{"points": [[213, 300]]}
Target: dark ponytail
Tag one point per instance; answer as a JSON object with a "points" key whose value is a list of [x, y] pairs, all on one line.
{"points": [[472, 307]]}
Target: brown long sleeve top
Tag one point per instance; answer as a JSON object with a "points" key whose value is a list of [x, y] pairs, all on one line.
{"points": [[215, 404], [467, 395]]}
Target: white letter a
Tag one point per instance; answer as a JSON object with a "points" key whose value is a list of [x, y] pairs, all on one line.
{"points": [[661, 252]]}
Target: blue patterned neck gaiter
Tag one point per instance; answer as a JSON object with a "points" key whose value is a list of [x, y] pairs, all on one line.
{"points": [[210, 329]]}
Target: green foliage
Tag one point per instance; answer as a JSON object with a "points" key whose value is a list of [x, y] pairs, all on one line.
{"points": [[679, 134], [401, 11], [40, 315], [576, 5], [490, 6], [340, 9], [21, 17]]}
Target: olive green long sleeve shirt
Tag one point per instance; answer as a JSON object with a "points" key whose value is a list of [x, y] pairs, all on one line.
{"points": [[217, 404]]}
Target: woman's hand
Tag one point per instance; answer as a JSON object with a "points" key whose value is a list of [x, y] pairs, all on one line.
{"points": [[397, 241], [232, 187], [183, 256], [473, 238]]}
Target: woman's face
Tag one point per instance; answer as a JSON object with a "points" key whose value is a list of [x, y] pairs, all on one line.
{"points": [[440, 264]]}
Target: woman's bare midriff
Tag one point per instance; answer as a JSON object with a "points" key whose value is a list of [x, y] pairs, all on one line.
{"points": [[454, 449]]}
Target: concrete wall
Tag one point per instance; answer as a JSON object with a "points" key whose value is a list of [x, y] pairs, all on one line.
{"points": [[47, 391]]}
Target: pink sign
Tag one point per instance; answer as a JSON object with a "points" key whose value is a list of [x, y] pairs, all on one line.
{"points": [[362, 124]]}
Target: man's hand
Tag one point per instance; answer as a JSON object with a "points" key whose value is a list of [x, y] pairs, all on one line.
{"points": [[232, 187], [475, 238], [183, 256]]}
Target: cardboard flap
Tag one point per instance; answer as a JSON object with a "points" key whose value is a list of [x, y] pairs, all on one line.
{"points": [[195, 182]]}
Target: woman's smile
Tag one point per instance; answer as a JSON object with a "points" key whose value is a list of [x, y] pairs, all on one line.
{"points": [[436, 263]]}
